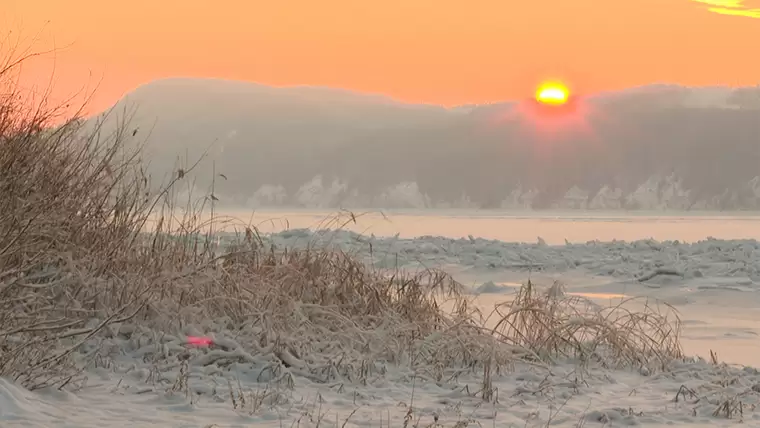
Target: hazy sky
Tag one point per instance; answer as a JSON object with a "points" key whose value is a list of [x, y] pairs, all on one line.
{"points": [[438, 51]]}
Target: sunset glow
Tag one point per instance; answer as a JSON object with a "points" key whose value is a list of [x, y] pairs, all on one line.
{"points": [[445, 52]]}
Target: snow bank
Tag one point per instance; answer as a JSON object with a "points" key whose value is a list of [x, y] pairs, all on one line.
{"points": [[644, 260], [148, 385]]}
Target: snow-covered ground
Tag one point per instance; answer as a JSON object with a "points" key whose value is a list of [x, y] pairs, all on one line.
{"points": [[738, 259], [150, 380], [130, 393]]}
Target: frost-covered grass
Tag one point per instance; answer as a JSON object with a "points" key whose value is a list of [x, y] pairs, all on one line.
{"points": [[552, 324]]}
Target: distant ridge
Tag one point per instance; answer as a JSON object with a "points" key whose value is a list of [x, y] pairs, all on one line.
{"points": [[658, 147]]}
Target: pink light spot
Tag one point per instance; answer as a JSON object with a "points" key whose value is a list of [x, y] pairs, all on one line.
{"points": [[199, 341]]}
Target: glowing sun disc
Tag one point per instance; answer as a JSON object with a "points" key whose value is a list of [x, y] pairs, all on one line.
{"points": [[553, 93]]}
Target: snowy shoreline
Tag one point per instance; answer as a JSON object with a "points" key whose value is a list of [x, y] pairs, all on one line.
{"points": [[144, 377], [618, 259]]}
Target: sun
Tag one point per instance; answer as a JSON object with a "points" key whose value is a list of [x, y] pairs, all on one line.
{"points": [[552, 93]]}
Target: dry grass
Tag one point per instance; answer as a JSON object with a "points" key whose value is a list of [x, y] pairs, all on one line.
{"points": [[551, 323], [75, 257]]}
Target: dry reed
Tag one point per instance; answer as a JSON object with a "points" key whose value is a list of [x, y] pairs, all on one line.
{"points": [[552, 323]]}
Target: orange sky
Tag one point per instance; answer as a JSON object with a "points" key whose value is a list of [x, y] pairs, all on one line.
{"points": [[439, 51]]}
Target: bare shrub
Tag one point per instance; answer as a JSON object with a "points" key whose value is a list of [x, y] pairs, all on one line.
{"points": [[70, 207], [552, 323]]}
